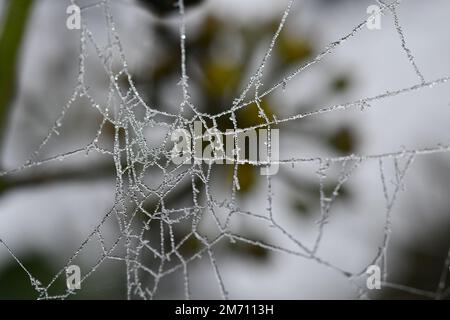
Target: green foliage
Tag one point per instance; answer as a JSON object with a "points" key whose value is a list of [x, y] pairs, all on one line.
{"points": [[14, 26], [340, 83], [291, 49], [343, 140], [14, 282]]}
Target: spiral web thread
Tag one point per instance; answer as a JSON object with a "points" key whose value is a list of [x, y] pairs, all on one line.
{"points": [[133, 158]]}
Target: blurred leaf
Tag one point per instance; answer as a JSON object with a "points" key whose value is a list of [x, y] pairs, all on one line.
{"points": [[14, 26], [221, 78], [301, 207], [208, 31], [249, 116], [340, 83], [166, 7], [190, 247], [165, 67], [304, 209], [250, 251], [293, 50], [15, 284], [343, 140], [3, 185]]}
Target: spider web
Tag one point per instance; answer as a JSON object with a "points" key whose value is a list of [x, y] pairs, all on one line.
{"points": [[135, 161]]}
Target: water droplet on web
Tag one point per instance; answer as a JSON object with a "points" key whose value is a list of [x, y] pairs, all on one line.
{"points": [[88, 150], [36, 282], [364, 105]]}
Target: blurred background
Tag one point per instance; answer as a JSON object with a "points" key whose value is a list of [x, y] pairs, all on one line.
{"points": [[48, 211]]}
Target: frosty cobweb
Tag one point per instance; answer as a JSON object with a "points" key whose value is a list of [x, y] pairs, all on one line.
{"points": [[133, 157]]}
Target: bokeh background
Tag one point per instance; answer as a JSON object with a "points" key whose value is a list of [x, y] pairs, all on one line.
{"points": [[45, 213]]}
